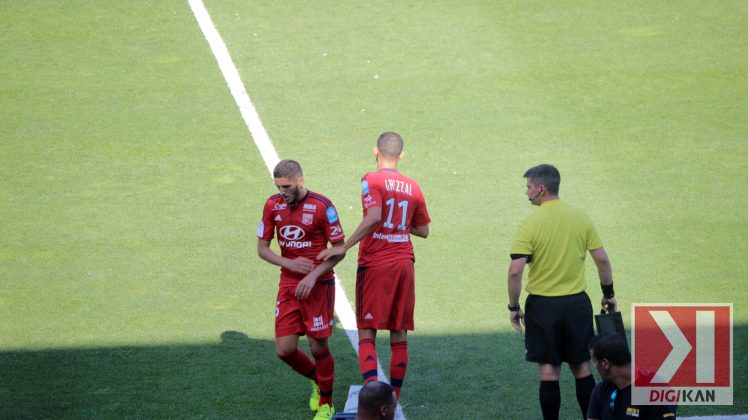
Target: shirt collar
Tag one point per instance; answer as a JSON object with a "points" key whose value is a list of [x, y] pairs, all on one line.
{"points": [[301, 200], [551, 202]]}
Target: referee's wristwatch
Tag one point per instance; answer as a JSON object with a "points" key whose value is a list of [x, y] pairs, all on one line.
{"points": [[514, 307]]}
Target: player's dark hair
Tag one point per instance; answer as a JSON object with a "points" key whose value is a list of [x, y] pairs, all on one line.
{"points": [[287, 169], [545, 175], [373, 395], [390, 144], [611, 346]]}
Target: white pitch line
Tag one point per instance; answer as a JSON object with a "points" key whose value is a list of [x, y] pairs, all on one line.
{"points": [[342, 306], [260, 136], [231, 74]]}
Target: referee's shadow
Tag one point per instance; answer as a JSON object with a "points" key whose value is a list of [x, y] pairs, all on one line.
{"points": [[487, 375]]}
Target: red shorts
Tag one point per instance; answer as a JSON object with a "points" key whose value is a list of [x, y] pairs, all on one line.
{"points": [[386, 296], [312, 316]]}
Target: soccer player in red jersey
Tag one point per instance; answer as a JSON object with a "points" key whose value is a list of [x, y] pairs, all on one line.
{"points": [[394, 209], [304, 222]]}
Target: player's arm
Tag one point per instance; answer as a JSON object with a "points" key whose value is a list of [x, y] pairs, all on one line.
{"points": [[604, 269], [605, 273], [299, 265], [369, 222], [420, 223], [422, 231], [307, 283], [514, 286]]}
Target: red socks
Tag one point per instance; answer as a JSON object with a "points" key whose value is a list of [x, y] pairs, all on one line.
{"points": [[398, 365], [301, 363], [323, 372], [367, 359], [325, 375]]}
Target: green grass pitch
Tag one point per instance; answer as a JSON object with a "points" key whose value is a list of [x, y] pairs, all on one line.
{"points": [[130, 188]]}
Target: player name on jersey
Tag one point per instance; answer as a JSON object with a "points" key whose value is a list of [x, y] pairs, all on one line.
{"points": [[398, 186]]}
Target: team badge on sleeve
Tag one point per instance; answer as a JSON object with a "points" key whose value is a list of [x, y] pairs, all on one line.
{"points": [[364, 187], [332, 215], [260, 229]]}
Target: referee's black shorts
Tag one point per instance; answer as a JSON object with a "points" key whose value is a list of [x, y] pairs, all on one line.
{"points": [[558, 329]]}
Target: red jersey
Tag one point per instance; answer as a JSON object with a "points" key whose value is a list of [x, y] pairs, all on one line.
{"points": [[402, 206], [303, 229]]}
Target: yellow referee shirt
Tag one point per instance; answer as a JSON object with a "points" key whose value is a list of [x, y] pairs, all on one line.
{"points": [[558, 237]]}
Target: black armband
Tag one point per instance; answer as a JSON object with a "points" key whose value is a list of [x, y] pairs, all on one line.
{"points": [[608, 290], [514, 307], [518, 256]]}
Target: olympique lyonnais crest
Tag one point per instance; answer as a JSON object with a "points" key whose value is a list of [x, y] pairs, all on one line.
{"points": [[682, 354]]}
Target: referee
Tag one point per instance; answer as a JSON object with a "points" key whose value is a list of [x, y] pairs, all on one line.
{"points": [[554, 241]]}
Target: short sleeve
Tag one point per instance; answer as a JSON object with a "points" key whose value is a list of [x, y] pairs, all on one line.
{"points": [[523, 241], [593, 239], [370, 194], [266, 227], [421, 214], [331, 225]]}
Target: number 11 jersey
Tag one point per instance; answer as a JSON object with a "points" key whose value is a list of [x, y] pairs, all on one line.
{"points": [[402, 205]]}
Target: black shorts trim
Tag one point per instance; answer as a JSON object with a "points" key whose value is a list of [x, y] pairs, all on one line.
{"points": [[360, 276]]}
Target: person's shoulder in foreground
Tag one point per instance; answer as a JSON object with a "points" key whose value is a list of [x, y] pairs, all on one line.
{"points": [[611, 398]]}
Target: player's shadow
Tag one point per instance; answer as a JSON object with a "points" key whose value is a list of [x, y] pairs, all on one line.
{"points": [[469, 375], [235, 377], [181, 380]]}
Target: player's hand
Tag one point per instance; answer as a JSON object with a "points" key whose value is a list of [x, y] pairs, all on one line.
{"points": [[301, 265], [328, 253], [609, 305], [305, 286], [517, 318]]}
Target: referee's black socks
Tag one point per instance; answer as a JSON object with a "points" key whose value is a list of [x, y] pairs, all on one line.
{"points": [[584, 392], [550, 399]]}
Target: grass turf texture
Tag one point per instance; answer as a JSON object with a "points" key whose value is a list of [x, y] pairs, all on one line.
{"points": [[130, 189]]}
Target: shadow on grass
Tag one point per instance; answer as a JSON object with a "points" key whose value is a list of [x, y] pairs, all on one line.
{"points": [[486, 376], [231, 379], [461, 376]]}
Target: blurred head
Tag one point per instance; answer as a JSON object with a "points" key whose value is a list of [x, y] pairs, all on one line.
{"points": [[543, 182], [289, 179], [610, 353], [376, 401], [389, 147]]}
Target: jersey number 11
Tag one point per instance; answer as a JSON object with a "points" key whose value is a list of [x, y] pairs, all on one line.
{"points": [[404, 212]]}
